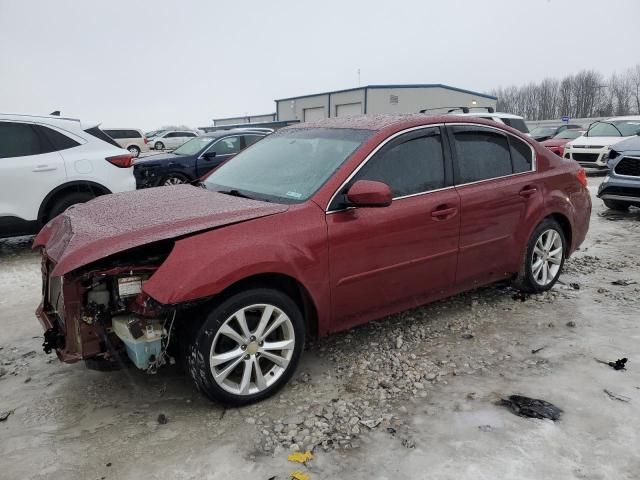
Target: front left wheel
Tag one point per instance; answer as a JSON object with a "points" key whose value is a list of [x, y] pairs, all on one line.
{"points": [[248, 347]]}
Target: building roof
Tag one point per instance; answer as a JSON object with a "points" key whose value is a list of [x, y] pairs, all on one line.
{"points": [[406, 85], [272, 114]]}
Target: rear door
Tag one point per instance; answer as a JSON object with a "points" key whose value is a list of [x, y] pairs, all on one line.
{"points": [[225, 148], [387, 259], [30, 168], [494, 177]]}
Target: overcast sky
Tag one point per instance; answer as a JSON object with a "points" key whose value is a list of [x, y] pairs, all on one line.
{"points": [[150, 63]]}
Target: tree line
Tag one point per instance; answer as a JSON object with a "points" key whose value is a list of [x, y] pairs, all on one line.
{"points": [[585, 94]]}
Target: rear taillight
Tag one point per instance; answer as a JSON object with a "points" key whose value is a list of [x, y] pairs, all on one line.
{"points": [[561, 150], [582, 177], [122, 161], [146, 140]]}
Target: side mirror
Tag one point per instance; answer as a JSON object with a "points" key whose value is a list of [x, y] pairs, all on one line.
{"points": [[367, 193], [209, 155]]}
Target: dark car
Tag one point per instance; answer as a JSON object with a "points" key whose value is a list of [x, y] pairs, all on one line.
{"points": [[194, 159], [621, 188], [319, 227], [557, 143], [545, 133]]}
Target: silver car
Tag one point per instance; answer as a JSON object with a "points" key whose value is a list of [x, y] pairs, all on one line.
{"points": [[621, 188]]}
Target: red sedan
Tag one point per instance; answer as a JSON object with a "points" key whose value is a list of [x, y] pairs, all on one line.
{"points": [[315, 229], [557, 143]]}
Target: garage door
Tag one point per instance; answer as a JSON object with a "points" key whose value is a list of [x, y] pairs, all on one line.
{"points": [[313, 114], [348, 109]]}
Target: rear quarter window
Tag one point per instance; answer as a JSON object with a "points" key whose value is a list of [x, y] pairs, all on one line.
{"points": [[99, 134]]}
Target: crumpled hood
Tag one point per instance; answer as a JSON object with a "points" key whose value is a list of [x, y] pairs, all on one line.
{"points": [[159, 158], [114, 223]]}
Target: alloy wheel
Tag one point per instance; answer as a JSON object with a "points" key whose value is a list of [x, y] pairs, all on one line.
{"points": [[173, 181], [547, 257], [252, 349]]}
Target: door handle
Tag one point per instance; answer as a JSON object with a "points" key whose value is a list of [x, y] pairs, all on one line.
{"points": [[44, 168], [443, 213], [528, 191]]}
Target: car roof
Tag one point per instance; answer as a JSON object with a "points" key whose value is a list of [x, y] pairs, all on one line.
{"points": [[235, 131], [627, 117], [488, 114], [50, 119], [379, 122]]}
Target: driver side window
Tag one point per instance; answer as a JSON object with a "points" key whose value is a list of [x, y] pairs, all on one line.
{"points": [[226, 146], [411, 164]]}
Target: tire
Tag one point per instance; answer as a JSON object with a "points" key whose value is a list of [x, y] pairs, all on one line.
{"points": [[158, 146], [221, 335], [532, 277], [173, 179], [68, 200], [617, 205], [133, 150]]}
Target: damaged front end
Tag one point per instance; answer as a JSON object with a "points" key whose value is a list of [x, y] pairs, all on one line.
{"points": [[101, 312]]}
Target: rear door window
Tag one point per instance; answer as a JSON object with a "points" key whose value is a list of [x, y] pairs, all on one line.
{"points": [[20, 140], [481, 154], [521, 155], [56, 140], [251, 139], [413, 163]]}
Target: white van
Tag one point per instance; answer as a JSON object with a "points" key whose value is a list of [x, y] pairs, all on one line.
{"points": [[131, 139]]}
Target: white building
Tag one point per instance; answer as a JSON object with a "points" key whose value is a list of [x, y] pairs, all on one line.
{"points": [[370, 99]]}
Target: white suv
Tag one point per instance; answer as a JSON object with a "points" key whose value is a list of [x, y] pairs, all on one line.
{"points": [[49, 163], [592, 149], [171, 139]]}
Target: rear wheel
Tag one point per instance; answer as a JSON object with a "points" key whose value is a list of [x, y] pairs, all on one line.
{"points": [[158, 146], [248, 347], [133, 150], [544, 259], [617, 205], [68, 200]]}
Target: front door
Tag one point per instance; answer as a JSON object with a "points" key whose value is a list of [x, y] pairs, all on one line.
{"points": [[29, 170], [384, 260]]}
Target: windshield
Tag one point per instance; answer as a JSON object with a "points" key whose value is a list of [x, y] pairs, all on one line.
{"points": [[615, 128], [543, 131], [193, 146], [288, 166], [569, 134]]}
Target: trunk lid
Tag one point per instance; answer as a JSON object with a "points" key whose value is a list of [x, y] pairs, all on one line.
{"points": [[114, 223]]}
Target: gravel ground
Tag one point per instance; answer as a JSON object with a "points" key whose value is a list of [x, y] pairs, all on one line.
{"points": [[409, 396]]}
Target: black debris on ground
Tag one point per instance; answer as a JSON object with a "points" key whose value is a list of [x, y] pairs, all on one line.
{"points": [[623, 282], [162, 419], [531, 407], [575, 286], [4, 415], [536, 350], [522, 297], [620, 364], [571, 324]]}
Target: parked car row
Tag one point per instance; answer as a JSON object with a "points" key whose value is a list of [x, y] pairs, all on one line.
{"points": [[48, 163]]}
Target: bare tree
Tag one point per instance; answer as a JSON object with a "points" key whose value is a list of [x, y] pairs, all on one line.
{"points": [[634, 76]]}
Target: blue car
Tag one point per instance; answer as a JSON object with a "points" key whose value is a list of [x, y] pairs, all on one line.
{"points": [[194, 159], [621, 188]]}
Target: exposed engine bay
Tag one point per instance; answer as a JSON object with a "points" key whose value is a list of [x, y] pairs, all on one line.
{"points": [[116, 303]]}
